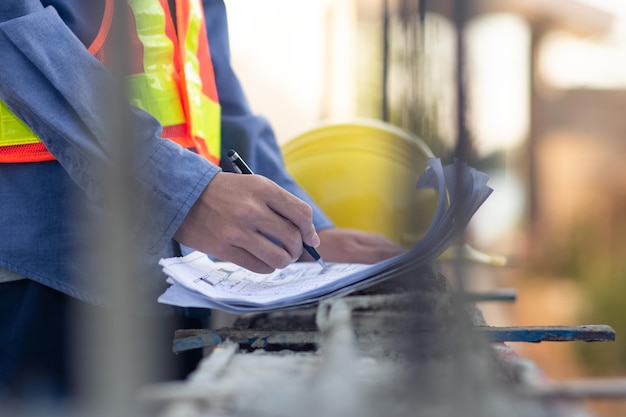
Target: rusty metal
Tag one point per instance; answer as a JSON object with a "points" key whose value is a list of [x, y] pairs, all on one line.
{"points": [[535, 334]]}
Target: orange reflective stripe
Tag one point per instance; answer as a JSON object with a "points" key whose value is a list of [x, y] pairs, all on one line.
{"points": [[206, 67], [173, 80], [18, 143], [103, 32], [204, 111], [34, 152]]}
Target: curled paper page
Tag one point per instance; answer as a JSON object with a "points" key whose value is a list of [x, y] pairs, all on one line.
{"points": [[196, 281]]}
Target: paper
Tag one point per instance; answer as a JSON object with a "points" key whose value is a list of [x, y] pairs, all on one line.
{"points": [[199, 282], [229, 283]]}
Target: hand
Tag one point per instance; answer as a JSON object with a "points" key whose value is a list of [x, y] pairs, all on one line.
{"points": [[236, 214], [354, 246]]}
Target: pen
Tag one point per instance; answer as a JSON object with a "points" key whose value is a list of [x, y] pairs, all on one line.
{"points": [[242, 168]]}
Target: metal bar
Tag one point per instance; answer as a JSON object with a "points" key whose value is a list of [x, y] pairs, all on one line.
{"points": [[463, 144], [583, 388], [111, 368], [202, 338], [536, 334], [506, 294], [385, 69]]}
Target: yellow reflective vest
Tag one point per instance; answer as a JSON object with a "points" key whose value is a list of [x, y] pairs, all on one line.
{"points": [[170, 76]]}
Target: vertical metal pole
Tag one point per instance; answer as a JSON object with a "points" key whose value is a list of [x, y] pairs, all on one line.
{"points": [[462, 148], [115, 343], [466, 374], [533, 191], [385, 69]]}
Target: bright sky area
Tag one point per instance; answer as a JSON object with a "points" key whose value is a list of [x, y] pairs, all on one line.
{"points": [[279, 50]]}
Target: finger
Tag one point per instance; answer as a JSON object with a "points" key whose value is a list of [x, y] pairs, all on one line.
{"points": [[269, 252], [246, 260], [262, 249], [282, 232], [291, 208], [297, 212], [265, 224], [265, 258], [377, 250]]}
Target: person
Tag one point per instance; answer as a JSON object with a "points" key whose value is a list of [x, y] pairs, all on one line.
{"points": [[54, 79]]}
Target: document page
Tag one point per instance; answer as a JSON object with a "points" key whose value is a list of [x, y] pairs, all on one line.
{"points": [[228, 283], [196, 281]]}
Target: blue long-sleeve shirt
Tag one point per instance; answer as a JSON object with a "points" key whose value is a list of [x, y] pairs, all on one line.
{"points": [[48, 78]]}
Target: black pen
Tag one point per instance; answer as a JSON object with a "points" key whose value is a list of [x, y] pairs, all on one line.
{"points": [[242, 168]]}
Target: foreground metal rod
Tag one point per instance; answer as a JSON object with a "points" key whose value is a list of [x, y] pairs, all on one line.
{"points": [[201, 338], [504, 295], [536, 334], [600, 388]]}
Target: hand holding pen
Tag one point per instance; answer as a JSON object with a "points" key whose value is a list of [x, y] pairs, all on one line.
{"points": [[242, 168], [234, 215]]}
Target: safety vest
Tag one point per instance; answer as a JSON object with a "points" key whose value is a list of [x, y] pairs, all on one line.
{"points": [[171, 77]]}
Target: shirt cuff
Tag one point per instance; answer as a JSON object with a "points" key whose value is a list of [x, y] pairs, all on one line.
{"points": [[173, 178]]}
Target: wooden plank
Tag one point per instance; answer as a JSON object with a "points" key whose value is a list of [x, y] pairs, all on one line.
{"points": [[536, 334]]}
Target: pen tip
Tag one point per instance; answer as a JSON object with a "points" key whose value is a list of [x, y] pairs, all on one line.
{"points": [[322, 263], [231, 152]]}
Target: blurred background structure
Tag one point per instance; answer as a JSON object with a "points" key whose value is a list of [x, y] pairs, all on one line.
{"points": [[546, 88]]}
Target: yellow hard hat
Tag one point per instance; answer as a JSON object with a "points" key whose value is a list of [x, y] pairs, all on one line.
{"points": [[363, 175]]}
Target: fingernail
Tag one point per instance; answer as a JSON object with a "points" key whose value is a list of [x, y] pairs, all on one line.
{"points": [[316, 240]]}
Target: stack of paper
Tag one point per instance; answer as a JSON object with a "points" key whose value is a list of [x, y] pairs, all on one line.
{"points": [[196, 281]]}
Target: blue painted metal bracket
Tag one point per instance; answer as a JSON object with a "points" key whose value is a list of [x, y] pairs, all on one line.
{"points": [[536, 334], [201, 338]]}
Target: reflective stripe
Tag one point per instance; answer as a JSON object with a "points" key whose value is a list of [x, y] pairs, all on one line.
{"points": [[176, 84], [207, 121], [100, 40], [205, 113], [18, 143], [13, 131], [153, 93], [155, 90]]}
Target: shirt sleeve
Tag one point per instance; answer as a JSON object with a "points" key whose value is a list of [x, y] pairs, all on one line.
{"points": [[51, 82], [250, 135]]}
